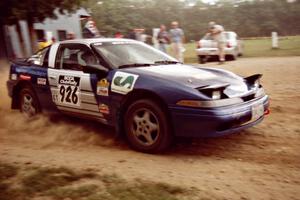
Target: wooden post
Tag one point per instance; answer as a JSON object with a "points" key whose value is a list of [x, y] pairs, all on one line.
{"points": [[274, 40]]}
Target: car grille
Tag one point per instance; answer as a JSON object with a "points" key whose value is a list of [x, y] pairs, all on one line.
{"points": [[248, 97], [235, 123]]}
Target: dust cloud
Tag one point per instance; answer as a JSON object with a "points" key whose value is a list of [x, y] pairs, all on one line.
{"points": [[49, 130]]}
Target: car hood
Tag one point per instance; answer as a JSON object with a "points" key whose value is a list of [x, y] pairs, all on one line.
{"points": [[196, 77]]}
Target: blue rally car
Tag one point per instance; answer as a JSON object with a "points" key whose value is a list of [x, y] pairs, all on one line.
{"points": [[146, 94]]}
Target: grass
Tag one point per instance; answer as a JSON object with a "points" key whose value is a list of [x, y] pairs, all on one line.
{"points": [[7, 171], [64, 183], [144, 191], [260, 47], [47, 178], [77, 193]]}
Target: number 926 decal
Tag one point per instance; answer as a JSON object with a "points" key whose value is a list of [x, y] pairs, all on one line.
{"points": [[69, 90]]}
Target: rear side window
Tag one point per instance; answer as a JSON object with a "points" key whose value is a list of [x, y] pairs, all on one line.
{"points": [[75, 57], [40, 58]]}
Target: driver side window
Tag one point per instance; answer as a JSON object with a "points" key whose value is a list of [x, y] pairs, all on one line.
{"points": [[75, 57]]}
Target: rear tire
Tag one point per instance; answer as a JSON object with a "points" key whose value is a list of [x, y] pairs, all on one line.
{"points": [[29, 104], [147, 127], [202, 59], [233, 56]]}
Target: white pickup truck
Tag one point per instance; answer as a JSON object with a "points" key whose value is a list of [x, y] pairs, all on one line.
{"points": [[207, 47]]}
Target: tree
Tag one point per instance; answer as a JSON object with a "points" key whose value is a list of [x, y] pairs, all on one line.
{"points": [[34, 11], [248, 18]]}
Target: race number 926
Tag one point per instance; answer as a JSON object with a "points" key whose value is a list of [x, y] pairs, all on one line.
{"points": [[69, 90], [68, 94]]}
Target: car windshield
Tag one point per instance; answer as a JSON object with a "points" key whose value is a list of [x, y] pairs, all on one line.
{"points": [[132, 54]]}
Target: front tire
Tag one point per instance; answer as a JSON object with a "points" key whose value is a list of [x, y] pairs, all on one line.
{"points": [[147, 127], [29, 104]]}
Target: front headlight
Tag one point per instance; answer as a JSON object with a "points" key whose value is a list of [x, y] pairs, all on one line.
{"points": [[214, 91], [216, 94]]}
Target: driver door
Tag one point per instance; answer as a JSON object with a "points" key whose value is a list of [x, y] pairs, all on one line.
{"points": [[73, 91]]}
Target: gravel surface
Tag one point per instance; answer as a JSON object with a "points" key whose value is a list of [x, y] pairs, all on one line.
{"points": [[262, 162]]}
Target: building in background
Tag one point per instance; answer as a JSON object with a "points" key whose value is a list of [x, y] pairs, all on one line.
{"points": [[51, 29]]}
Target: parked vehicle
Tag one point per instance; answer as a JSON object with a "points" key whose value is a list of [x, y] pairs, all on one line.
{"points": [[146, 94], [207, 47]]}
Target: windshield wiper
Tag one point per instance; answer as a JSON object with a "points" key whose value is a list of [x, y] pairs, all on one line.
{"points": [[166, 62], [135, 65]]}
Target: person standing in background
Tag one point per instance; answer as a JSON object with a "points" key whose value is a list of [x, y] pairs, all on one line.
{"points": [[177, 40], [119, 35], [53, 40], [90, 29], [217, 33], [71, 36], [43, 43], [163, 38], [132, 34]]}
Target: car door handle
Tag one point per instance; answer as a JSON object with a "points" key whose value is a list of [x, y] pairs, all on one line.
{"points": [[52, 77]]}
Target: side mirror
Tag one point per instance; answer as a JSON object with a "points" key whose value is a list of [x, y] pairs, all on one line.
{"points": [[94, 69], [35, 59]]}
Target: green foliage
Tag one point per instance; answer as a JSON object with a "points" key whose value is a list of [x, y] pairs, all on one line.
{"points": [[144, 191], [138, 190], [64, 183], [249, 18], [289, 46], [73, 193], [47, 178], [110, 179], [34, 10], [260, 47]]}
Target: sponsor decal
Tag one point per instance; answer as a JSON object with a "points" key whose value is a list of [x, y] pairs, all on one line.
{"points": [[123, 82], [13, 77], [68, 90], [69, 80], [41, 81], [102, 87], [25, 77], [104, 109]]}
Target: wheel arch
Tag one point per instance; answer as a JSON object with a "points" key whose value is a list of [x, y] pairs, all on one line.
{"points": [[137, 95]]}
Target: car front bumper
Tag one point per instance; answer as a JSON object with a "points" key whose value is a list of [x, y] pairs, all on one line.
{"points": [[214, 51], [214, 122]]}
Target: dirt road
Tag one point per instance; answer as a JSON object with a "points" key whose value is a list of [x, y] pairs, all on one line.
{"points": [[262, 162]]}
